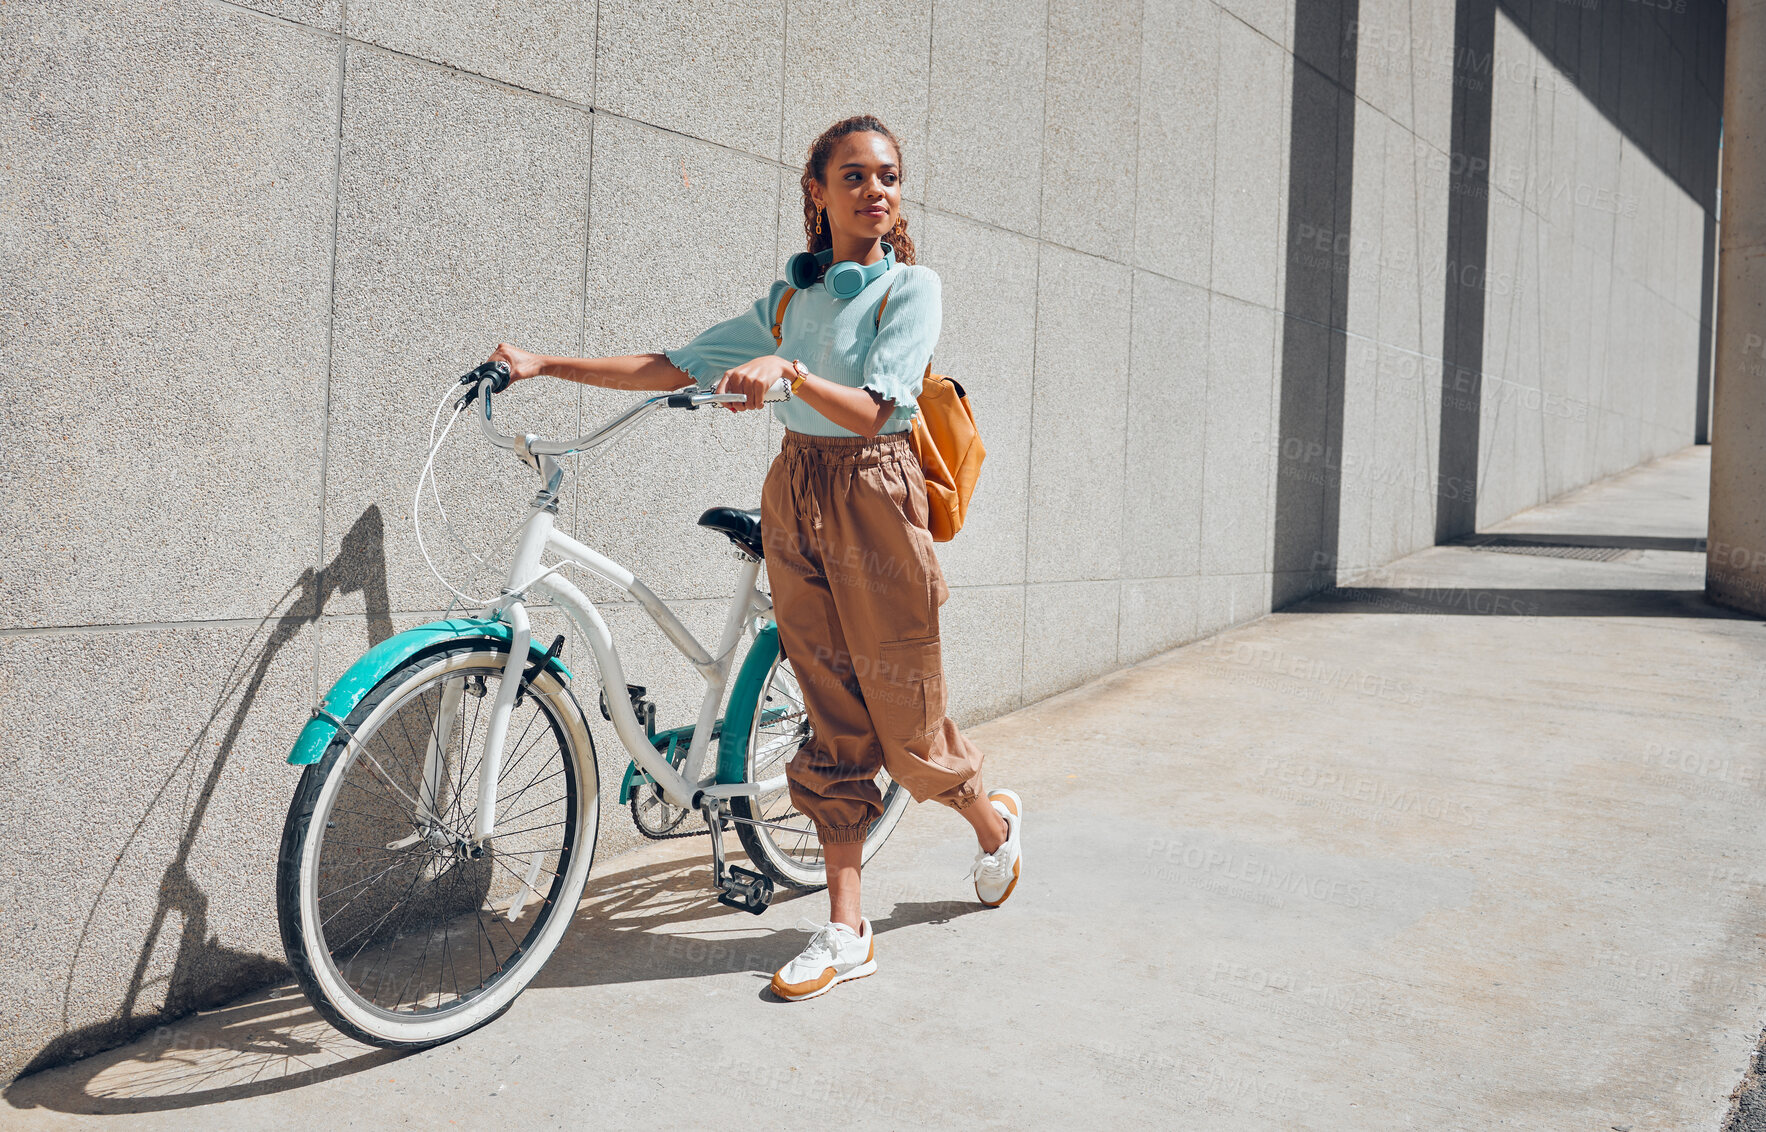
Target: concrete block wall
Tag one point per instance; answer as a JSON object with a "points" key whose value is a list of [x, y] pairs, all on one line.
{"points": [[247, 243], [1592, 353], [1527, 243]]}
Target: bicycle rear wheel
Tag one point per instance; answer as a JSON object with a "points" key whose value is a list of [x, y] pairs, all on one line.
{"points": [[399, 930], [780, 725]]}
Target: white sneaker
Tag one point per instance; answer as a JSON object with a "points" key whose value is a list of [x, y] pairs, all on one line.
{"points": [[835, 954], [996, 873]]}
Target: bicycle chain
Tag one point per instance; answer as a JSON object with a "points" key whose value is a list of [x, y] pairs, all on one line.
{"points": [[632, 806]]}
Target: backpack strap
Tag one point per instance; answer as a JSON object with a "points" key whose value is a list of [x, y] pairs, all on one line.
{"points": [[779, 317]]}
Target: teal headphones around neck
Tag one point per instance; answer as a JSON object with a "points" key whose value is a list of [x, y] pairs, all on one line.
{"points": [[844, 279]]}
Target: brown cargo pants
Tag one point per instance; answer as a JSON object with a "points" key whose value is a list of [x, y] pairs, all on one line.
{"points": [[856, 588]]}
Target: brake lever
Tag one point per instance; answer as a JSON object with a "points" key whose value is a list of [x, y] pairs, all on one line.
{"points": [[497, 372]]}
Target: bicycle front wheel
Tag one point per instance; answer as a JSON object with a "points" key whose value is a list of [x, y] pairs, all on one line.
{"points": [[792, 855], [400, 930]]}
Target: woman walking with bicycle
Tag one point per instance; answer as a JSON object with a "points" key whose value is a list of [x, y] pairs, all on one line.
{"points": [[855, 582]]}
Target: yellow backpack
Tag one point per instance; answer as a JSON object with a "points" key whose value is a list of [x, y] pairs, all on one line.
{"points": [[944, 439]]}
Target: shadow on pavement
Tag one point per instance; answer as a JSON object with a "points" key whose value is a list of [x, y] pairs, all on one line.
{"points": [[1599, 542], [204, 972], [623, 930], [653, 921], [1484, 601], [269, 1042]]}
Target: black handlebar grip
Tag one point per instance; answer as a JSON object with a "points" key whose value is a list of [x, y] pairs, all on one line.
{"points": [[497, 372]]}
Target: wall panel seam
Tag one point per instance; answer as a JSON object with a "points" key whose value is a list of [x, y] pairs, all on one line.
{"points": [[331, 310], [1134, 219], [1035, 335]]}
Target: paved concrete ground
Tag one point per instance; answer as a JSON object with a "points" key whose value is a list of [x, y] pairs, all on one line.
{"points": [[1383, 862]]}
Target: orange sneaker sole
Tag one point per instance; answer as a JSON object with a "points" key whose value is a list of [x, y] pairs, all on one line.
{"points": [[860, 973], [1006, 801]]}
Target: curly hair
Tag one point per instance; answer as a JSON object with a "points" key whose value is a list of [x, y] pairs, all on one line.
{"points": [[815, 169]]}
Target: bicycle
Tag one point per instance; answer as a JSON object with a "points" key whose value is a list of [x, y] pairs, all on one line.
{"points": [[430, 866]]}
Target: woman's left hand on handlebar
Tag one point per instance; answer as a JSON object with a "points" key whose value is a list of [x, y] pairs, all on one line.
{"points": [[752, 379], [522, 365]]}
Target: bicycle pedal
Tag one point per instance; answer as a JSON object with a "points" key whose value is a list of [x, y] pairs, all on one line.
{"points": [[746, 890]]}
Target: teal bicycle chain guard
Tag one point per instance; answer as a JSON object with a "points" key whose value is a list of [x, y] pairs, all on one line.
{"points": [[730, 732], [671, 744], [382, 659]]}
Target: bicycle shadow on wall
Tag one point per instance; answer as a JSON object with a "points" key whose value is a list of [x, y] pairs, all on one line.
{"points": [[269, 1041]]}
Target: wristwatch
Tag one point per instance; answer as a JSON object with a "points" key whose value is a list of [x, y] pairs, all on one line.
{"points": [[802, 375]]}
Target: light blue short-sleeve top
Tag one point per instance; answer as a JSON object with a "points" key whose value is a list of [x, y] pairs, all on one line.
{"points": [[839, 339]]}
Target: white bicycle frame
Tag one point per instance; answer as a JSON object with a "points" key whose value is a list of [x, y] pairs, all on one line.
{"points": [[688, 787]]}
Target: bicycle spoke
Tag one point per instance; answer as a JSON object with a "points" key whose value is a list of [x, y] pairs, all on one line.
{"points": [[412, 802], [516, 746], [374, 926], [400, 997], [408, 905], [512, 767], [479, 761], [353, 884], [511, 798], [516, 832], [471, 742], [359, 785], [398, 919], [541, 806], [522, 880]]}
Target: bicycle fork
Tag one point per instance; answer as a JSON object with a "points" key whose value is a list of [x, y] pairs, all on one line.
{"points": [[427, 817], [429, 787], [490, 765]]}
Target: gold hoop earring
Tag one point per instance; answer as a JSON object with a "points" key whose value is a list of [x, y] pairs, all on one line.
{"points": [[818, 222]]}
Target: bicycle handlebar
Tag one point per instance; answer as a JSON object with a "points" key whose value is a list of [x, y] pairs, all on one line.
{"points": [[497, 373], [494, 377]]}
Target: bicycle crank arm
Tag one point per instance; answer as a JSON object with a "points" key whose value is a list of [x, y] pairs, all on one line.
{"points": [[728, 790], [736, 887]]}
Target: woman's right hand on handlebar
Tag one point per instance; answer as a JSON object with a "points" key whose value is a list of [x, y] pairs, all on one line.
{"points": [[752, 379], [522, 365]]}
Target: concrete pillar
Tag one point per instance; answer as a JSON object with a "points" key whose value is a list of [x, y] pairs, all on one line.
{"points": [[1735, 567]]}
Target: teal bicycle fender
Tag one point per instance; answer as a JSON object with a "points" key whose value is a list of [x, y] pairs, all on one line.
{"points": [[380, 660], [732, 747]]}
